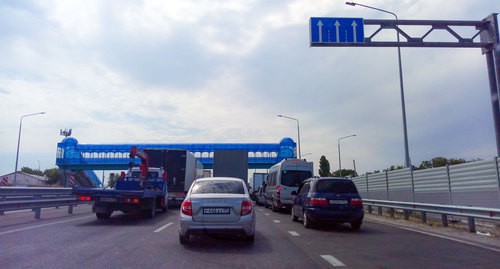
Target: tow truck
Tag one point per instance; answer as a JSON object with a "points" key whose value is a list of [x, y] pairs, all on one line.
{"points": [[142, 189]]}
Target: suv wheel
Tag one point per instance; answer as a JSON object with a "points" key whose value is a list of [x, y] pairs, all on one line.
{"points": [[294, 217], [356, 225], [250, 238], [307, 222]]}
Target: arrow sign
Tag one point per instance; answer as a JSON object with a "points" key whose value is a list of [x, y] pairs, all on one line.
{"points": [[337, 30], [320, 25], [347, 30]]}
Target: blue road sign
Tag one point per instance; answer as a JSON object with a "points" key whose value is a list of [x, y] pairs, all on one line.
{"points": [[336, 30]]}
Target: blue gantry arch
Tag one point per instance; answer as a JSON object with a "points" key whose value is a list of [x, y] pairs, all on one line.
{"points": [[75, 156]]}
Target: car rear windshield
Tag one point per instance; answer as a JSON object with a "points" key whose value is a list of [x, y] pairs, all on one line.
{"points": [[293, 178], [218, 186], [335, 186]]}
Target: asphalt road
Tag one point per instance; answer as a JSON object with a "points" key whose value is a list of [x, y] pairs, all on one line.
{"points": [[59, 240]]}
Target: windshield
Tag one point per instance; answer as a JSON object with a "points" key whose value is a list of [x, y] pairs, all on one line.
{"points": [[218, 186], [335, 186], [293, 178]]}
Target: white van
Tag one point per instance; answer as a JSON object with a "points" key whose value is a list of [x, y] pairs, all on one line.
{"points": [[283, 178]]}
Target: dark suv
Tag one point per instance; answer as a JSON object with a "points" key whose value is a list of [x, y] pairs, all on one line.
{"points": [[328, 200]]}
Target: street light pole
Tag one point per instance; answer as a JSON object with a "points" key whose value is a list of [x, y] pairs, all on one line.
{"points": [[338, 144], [19, 140], [298, 130], [403, 108]]}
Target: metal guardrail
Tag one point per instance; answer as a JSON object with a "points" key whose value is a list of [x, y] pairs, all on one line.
{"points": [[34, 198], [471, 213]]}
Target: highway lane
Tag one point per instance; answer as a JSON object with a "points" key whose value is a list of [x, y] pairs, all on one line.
{"points": [[60, 240]]}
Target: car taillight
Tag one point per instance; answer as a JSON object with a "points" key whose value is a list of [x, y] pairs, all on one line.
{"points": [[187, 208], [278, 192], [356, 202], [83, 198], [319, 201], [246, 207]]}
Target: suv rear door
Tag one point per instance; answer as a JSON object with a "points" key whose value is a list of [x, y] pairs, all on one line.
{"points": [[338, 192]]}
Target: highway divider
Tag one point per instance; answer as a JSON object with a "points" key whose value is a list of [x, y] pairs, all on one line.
{"points": [[469, 212], [36, 198]]}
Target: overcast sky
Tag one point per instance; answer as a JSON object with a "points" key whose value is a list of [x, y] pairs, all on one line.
{"points": [[221, 71]]}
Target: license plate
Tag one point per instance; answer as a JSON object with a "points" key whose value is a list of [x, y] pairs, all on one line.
{"points": [[338, 202], [216, 210], [107, 199]]}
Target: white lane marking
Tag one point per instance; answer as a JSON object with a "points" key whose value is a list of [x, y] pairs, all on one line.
{"points": [[276, 221], [43, 225], [332, 260], [163, 227], [294, 233], [267, 214], [438, 235]]}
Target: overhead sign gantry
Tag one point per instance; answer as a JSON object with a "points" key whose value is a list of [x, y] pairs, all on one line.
{"points": [[486, 36]]}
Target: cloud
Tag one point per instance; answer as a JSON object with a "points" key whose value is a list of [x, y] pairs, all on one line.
{"points": [[220, 71]]}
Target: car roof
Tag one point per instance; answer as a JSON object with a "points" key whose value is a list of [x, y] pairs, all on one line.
{"points": [[219, 178], [328, 178]]}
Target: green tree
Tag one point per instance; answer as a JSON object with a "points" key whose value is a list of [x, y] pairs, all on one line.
{"points": [[393, 167], [425, 165], [53, 175], [456, 161], [439, 162], [31, 171], [345, 173], [324, 167]]}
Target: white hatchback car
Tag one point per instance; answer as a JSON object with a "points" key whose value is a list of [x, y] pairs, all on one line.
{"points": [[217, 205]]}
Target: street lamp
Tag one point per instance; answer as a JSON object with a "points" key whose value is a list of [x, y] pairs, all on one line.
{"points": [[19, 140], [405, 131], [338, 143], [298, 130]]}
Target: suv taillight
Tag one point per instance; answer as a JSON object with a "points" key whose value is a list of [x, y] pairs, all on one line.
{"points": [[319, 201], [187, 208], [246, 207], [83, 198], [356, 202]]}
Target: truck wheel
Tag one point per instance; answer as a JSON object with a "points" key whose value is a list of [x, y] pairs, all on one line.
{"points": [[152, 211], [103, 215], [164, 205]]}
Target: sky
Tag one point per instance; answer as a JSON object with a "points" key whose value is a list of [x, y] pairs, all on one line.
{"points": [[220, 71]]}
